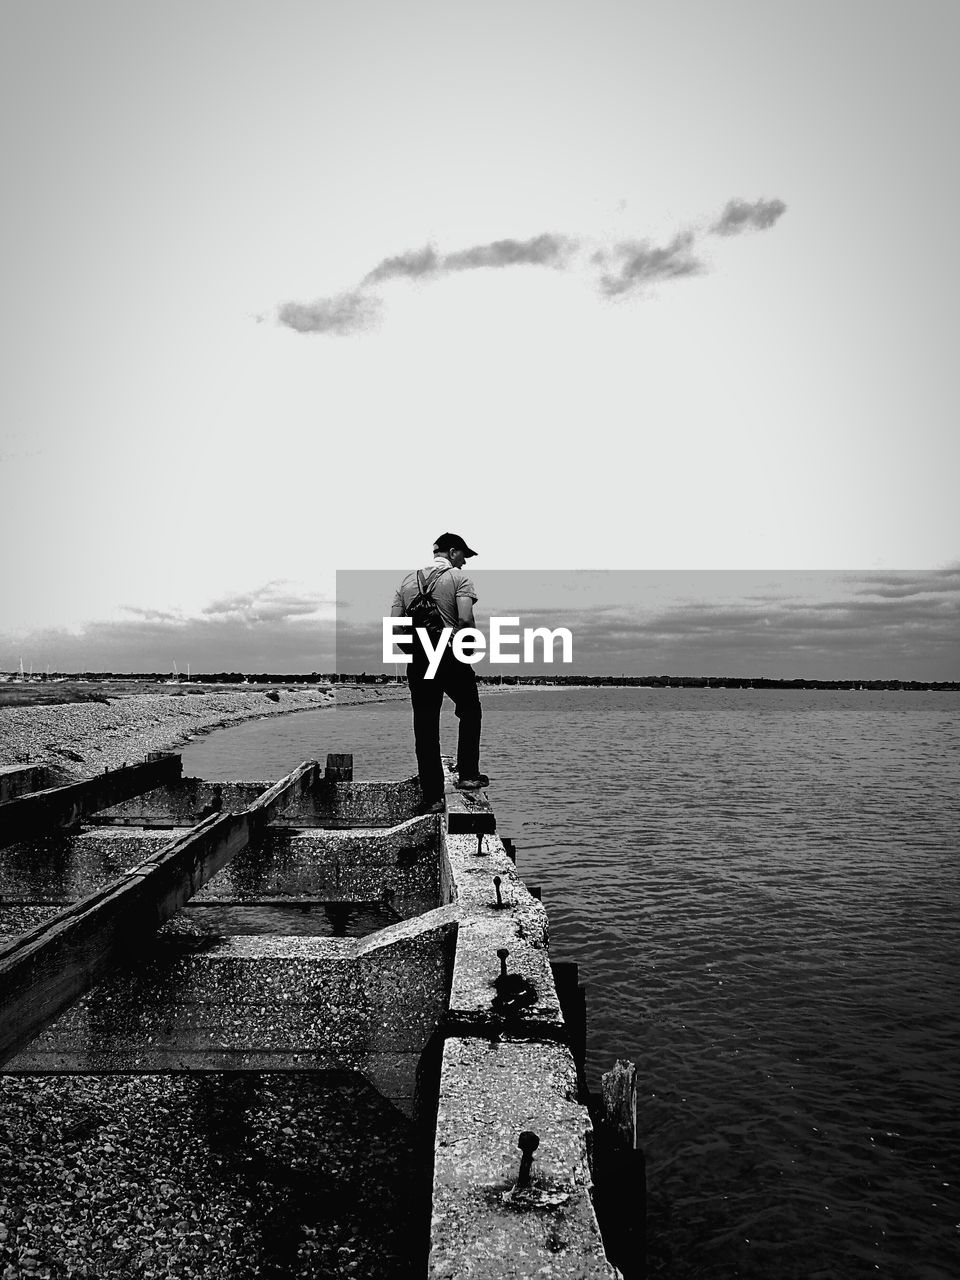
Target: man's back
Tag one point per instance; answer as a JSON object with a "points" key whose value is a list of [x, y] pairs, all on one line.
{"points": [[451, 585], [454, 595]]}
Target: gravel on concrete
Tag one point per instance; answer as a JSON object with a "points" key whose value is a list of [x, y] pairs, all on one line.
{"points": [[221, 1177]]}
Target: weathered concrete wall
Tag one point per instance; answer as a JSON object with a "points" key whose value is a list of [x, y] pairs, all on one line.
{"points": [[62, 868], [507, 1068], [484, 1226], [454, 1009], [265, 1003], [67, 804], [394, 867], [326, 804], [479, 1003], [357, 804], [21, 779], [397, 865], [182, 803]]}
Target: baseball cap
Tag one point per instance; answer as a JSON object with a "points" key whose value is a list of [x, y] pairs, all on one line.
{"points": [[452, 540]]}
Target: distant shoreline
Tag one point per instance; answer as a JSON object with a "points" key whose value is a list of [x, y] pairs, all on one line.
{"points": [[91, 686]]}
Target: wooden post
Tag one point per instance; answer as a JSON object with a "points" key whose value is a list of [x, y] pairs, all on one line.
{"points": [[620, 1176], [618, 1089], [339, 767]]}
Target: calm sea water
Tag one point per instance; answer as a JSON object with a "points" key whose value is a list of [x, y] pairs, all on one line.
{"points": [[761, 888]]}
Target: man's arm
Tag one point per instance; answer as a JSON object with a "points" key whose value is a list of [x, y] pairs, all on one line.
{"points": [[465, 611]]}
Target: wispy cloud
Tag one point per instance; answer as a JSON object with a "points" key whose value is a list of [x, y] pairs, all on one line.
{"points": [[344, 313], [274, 602], [742, 215], [637, 264], [406, 266], [899, 586], [621, 268], [546, 250]]}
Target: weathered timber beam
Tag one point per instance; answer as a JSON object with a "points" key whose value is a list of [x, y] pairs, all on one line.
{"points": [[64, 806], [288, 790], [619, 1091], [43, 971]]}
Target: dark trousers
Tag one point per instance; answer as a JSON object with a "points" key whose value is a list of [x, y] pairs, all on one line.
{"points": [[458, 681]]}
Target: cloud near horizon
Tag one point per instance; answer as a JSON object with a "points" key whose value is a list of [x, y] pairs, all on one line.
{"points": [[857, 626], [275, 627], [625, 267]]}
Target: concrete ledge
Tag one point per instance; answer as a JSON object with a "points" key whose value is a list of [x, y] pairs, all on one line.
{"points": [[345, 865], [484, 1226], [62, 867], [479, 1003], [20, 779], [265, 1003], [335, 804], [183, 803]]}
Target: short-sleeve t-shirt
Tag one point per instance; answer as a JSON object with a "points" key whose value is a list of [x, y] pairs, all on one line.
{"points": [[451, 586]]}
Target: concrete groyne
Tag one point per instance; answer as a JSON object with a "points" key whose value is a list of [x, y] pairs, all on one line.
{"points": [[178, 931]]}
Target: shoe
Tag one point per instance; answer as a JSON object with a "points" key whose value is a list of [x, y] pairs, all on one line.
{"points": [[473, 784], [438, 806]]}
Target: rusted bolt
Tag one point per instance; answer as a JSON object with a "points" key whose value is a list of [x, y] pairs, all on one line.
{"points": [[502, 952], [528, 1143], [496, 885], [479, 843]]}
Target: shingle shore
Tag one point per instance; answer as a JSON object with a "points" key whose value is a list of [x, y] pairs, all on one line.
{"points": [[84, 738]]}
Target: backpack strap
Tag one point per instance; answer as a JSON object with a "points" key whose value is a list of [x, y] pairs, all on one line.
{"points": [[428, 585]]}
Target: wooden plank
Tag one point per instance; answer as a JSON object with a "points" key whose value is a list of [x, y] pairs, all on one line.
{"points": [[64, 806], [290, 789], [339, 767], [43, 971]]}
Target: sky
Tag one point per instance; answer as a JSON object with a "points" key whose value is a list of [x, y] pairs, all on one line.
{"points": [[289, 288]]}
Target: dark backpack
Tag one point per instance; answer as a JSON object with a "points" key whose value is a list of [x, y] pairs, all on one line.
{"points": [[423, 610]]}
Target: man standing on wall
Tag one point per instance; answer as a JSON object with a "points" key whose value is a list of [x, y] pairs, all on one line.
{"points": [[452, 592]]}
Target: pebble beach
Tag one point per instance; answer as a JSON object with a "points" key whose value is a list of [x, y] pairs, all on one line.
{"points": [[84, 738]]}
